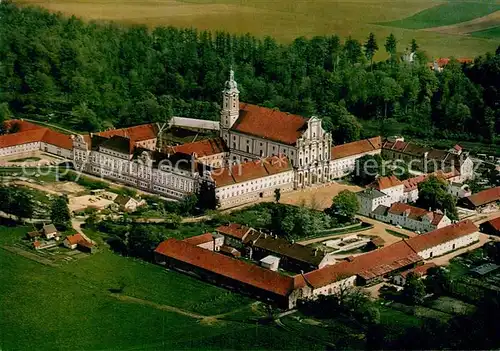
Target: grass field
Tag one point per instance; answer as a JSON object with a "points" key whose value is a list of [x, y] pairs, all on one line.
{"points": [[446, 14], [70, 307], [488, 33], [285, 19]]}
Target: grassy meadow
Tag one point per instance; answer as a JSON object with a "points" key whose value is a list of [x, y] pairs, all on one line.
{"points": [[286, 20], [71, 307], [488, 33], [446, 14]]}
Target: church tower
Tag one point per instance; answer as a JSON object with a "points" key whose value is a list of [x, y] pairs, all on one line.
{"points": [[230, 103]]}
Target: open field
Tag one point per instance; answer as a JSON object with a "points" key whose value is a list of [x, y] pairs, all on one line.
{"points": [[446, 14], [488, 33], [469, 27], [71, 307], [286, 20]]}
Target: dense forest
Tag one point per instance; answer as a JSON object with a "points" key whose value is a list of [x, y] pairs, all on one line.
{"points": [[91, 76]]}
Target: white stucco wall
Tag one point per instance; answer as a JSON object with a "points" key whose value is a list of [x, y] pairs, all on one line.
{"points": [[449, 246]]}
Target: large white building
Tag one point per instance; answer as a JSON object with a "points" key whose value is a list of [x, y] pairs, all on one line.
{"points": [[413, 218], [116, 158], [252, 132]]}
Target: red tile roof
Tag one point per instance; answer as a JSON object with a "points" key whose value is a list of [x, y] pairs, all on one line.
{"points": [[368, 266], [382, 183], [356, 148], [227, 267], [250, 170], [75, 239], [270, 124], [484, 197], [32, 133], [495, 223], [234, 230], [24, 126], [415, 213], [136, 133], [412, 183], [63, 141], [200, 239], [202, 148], [440, 236], [443, 61], [21, 138]]}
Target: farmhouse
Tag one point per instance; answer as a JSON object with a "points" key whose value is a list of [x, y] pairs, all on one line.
{"points": [[411, 217], [81, 242], [50, 232], [127, 203], [482, 200]]}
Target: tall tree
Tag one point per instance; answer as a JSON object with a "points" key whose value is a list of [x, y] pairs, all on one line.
{"points": [[59, 213], [414, 46], [390, 45], [344, 206], [371, 48], [353, 51]]}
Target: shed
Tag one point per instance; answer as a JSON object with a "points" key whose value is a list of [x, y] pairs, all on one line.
{"points": [[270, 262]]}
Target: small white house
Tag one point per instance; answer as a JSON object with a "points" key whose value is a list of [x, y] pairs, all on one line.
{"points": [[50, 232], [270, 262], [71, 241], [459, 190], [128, 203]]}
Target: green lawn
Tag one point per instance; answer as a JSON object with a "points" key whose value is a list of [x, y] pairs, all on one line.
{"points": [[445, 14], [26, 159], [492, 33], [70, 307]]}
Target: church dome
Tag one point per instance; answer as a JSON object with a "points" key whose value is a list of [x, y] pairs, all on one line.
{"points": [[231, 83]]}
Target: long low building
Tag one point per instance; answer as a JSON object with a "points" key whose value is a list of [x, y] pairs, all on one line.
{"points": [[286, 290], [256, 245], [25, 137], [411, 217], [232, 273], [482, 199]]}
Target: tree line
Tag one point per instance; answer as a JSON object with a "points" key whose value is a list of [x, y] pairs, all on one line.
{"points": [[96, 75]]}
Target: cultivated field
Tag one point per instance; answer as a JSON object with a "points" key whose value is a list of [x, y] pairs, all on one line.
{"points": [[286, 20], [106, 301]]}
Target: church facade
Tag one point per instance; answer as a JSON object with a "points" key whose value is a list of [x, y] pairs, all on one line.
{"points": [[252, 132]]}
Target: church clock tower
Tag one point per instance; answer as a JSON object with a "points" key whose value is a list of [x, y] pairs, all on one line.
{"points": [[230, 104]]}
